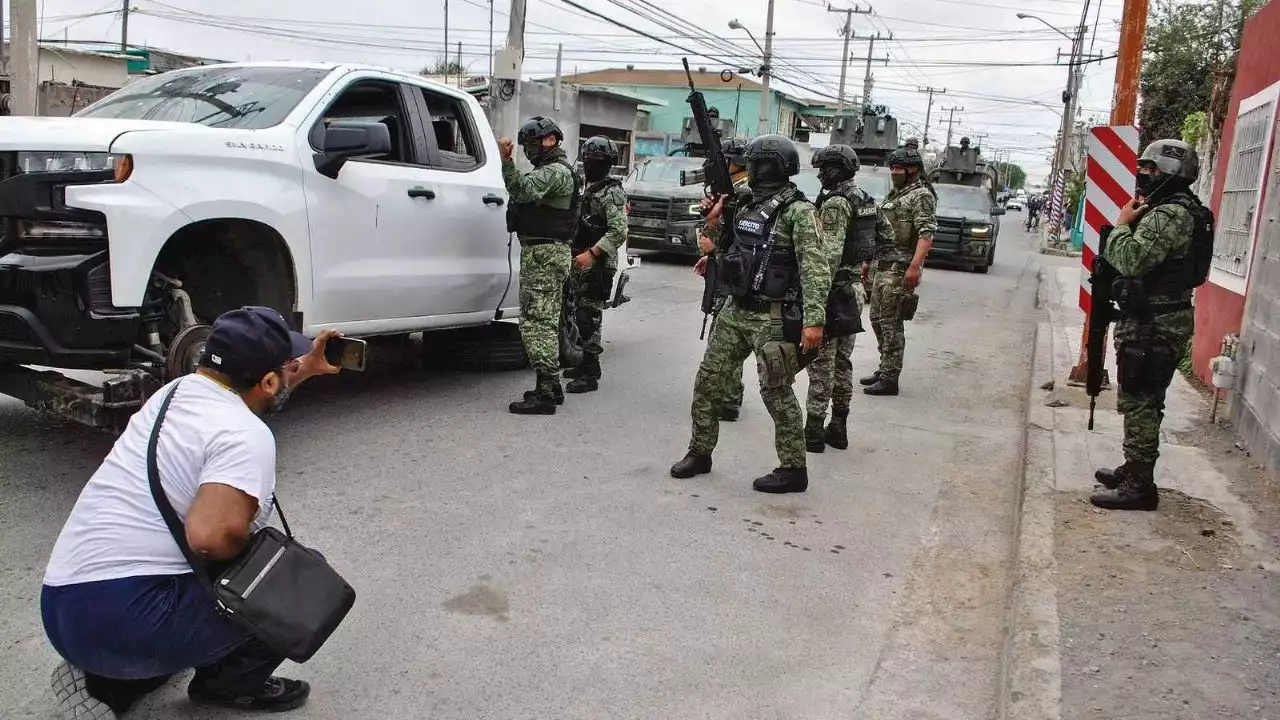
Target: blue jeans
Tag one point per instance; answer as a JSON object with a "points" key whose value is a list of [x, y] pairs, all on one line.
{"points": [[127, 634]]}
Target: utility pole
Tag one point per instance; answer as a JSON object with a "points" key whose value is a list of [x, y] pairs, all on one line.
{"points": [[23, 57], [124, 27], [867, 80], [847, 32], [459, 64], [4, 50], [446, 41], [490, 43], [555, 98], [978, 138], [766, 70], [508, 65], [1133, 25], [951, 121], [924, 141]]}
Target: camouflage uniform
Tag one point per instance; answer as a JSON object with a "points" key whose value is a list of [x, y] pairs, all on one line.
{"points": [[1134, 251], [611, 203], [911, 211], [831, 372], [543, 268], [738, 332], [734, 390]]}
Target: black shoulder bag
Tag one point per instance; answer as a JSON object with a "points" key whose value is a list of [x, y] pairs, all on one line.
{"points": [[282, 593]]}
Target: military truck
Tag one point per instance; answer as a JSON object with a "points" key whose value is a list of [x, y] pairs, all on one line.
{"points": [[872, 133], [968, 214], [664, 213]]}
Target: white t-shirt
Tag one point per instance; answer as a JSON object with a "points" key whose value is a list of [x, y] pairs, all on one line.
{"points": [[115, 529]]}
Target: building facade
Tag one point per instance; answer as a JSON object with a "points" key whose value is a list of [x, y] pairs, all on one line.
{"points": [[1242, 296]]}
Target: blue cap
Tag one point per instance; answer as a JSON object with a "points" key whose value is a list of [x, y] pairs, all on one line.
{"points": [[251, 342]]}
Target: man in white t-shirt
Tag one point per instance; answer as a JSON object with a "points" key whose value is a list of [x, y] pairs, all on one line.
{"points": [[120, 602]]}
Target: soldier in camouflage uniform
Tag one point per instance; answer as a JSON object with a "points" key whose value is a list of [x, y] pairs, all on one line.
{"points": [[1161, 248], [777, 273], [910, 207], [601, 234], [851, 225], [544, 216], [731, 407]]}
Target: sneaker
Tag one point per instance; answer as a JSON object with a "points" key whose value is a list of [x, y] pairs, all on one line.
{"points": [[276, 695], [74, 700]]}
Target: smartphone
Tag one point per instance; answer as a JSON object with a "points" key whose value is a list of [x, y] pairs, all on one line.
{"points": [[346, 353]]}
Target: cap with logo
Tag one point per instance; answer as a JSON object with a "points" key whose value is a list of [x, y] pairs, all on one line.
{"points": [[251, 342]]}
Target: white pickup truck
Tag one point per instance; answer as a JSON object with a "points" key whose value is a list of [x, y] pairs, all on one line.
{"points": [[343, 196]]}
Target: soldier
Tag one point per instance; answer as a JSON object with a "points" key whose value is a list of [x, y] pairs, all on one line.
{"points": [[544, 216], [912, 143], [601, 234], [850, 224], [777, 276], [1161, 248], [910, 208], [734, 150]]}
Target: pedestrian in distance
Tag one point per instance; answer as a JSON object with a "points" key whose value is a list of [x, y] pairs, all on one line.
{"points": [[851, 226], [601, 235], [911, 209], [121, 603], [544, 216], [777, 275], [1160, 250]]}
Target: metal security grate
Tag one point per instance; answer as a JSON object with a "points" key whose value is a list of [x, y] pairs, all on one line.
{"points": [[1240, 194]]}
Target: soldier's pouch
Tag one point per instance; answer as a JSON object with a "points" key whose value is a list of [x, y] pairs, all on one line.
{"points": [[1146, 366], [844, 318], [598, 282], [792, 322], [907, 305], [777, 364]]}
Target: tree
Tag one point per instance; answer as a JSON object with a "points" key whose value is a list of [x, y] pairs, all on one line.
{"points": [[1189, 63], [443, 67], [1011, 174]]}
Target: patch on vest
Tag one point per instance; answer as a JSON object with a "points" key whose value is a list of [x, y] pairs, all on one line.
{"points": [[751, 226], [866, 211]]}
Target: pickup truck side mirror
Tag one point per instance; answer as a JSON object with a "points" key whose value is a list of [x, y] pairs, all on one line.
{"points": [[997, 210], [344, 140]]}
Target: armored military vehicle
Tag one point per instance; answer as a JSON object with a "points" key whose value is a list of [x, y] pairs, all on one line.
{"points": [[872, 133], [968, 214]]}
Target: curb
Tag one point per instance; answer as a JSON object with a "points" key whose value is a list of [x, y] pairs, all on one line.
{"points": [[1031, 673]]}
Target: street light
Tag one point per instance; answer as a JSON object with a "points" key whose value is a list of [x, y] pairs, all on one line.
{"points": [[765, 71], [735, 25], [1027, 16]]}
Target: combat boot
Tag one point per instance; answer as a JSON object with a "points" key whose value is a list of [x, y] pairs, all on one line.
{"points": [[882, 386], [690, 465], [783, 480], [837, 436], [557, 394], [729, 413], [1109, 478], [814, 439], [535, 402], [1136, 489], [871, 379], [587, 377]]}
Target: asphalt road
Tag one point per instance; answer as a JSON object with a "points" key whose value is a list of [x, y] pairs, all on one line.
{"points": [[512, 567]]}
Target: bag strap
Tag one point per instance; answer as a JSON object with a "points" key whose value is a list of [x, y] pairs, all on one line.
{"points": [[171, 519]]}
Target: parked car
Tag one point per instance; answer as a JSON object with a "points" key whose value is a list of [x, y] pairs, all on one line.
{"points": [[342, 196], [663, 214], [1014, 204]]}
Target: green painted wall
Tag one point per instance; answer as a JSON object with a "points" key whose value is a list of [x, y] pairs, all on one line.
{"points": [[743, 109]]}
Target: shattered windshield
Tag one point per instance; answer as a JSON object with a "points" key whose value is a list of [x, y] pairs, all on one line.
{"points": [[247, 98]]}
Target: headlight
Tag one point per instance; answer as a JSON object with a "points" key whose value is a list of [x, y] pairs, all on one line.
{"points": [[695, 209], [76, 162], [980, 231]]}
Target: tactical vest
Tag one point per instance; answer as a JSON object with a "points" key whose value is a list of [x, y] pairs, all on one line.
{"points": [[541, 221], [594, 224], [1176, 276], [754, 267], [860, 232], [904, 244]]}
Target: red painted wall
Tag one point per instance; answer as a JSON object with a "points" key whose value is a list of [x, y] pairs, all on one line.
{"points": [[1218, 310]]}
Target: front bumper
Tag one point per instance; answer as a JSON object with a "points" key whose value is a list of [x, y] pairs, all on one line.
{"points": [[953, 242], [55, 281], [662, 223]]}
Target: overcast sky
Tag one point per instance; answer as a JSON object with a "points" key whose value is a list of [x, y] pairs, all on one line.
{"points": [[995, 66]]}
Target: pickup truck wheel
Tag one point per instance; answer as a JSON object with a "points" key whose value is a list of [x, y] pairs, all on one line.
{"points": [[495, 347]]}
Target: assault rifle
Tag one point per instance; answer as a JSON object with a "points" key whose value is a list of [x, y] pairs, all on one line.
{"points": [[718, 182], [1102, 312]]}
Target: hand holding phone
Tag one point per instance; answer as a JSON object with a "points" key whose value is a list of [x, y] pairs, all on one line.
{"points": [[346, 353]]}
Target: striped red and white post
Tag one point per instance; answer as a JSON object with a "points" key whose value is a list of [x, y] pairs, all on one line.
{"points": [[1111, 170], [1055, 208]]}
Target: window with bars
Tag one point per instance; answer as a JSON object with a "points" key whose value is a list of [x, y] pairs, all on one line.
{"points": [[1241, 193]]}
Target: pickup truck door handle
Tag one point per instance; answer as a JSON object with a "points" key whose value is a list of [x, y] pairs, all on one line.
{"points": [[421, 192], [492, 199]]}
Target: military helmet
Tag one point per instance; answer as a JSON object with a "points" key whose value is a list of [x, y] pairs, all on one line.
{"points": [[599, 148], [734, 150], [842, 156], [912, 143], [713, 113], [776, 147], [905, 156], [538, 127], [1172, 157]]}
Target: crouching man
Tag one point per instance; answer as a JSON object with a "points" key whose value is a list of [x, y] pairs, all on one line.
{"points": [[120, 603]]}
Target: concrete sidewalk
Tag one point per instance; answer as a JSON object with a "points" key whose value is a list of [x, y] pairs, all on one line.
{"points": [[1172, 614]]}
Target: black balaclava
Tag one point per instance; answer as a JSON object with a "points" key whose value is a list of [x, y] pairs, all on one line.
{"points": [[831, 176], [596, 169], [765, 177]]}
